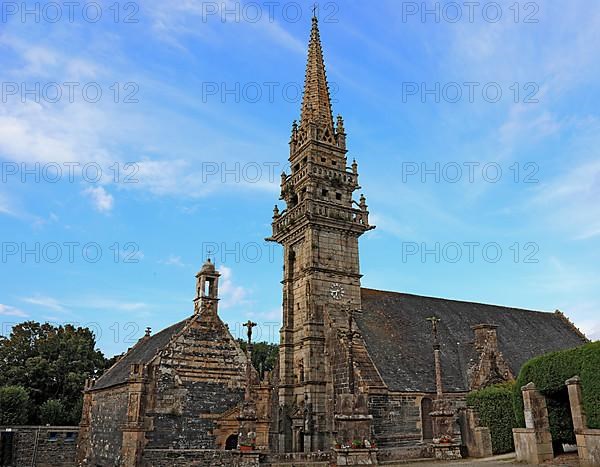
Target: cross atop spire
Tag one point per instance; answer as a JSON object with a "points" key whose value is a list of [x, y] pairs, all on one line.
{"points": [[316, 104]]}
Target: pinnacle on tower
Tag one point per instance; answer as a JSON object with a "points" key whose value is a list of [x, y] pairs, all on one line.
{"points": [[316, 103]]}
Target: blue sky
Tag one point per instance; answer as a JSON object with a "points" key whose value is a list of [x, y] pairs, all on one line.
{"points": [[203, 108]]}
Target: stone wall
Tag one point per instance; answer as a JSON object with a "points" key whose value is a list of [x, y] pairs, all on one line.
{"points": [[197, 458], [396, 419], [182, 418], [43, 446], [201, 375], [108, 414]]}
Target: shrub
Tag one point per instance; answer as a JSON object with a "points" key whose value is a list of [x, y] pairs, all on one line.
{"points": [[14, 405], [495, 407], [549, 373]]}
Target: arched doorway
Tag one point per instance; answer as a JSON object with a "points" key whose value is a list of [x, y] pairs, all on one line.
{"points": [[426, 420], [231, 443]]}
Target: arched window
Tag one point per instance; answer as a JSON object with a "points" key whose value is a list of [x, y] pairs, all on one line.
{"points": [[231, 443]]}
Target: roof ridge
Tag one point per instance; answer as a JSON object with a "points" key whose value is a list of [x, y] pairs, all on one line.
{"points": [[456, 300], [566, 319]]}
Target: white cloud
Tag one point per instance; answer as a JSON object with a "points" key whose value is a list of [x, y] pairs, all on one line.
{"points": [[173, 260], [231, 295], [173, 21], [6, 310], [573, 198], [101, 199], [45, 302], [591, 330], [5, 207], [110, 304]]}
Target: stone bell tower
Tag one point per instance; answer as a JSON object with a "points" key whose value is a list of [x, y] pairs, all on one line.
{"points": [[207, 288], [319, 231]]}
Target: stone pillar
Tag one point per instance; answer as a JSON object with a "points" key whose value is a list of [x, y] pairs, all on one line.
{"points": [[83, 438], [476, 438], [575, 398], [438, 372], [533, 444], [134, 430]]}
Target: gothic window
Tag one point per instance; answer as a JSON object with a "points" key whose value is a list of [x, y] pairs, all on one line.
{"points": [[325, 193]]}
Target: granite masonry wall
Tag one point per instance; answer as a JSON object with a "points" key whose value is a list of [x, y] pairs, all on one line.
{"points": [[45, 446]]}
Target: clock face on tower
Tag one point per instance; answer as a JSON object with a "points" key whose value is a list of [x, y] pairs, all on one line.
{"points": [[336, 291]]}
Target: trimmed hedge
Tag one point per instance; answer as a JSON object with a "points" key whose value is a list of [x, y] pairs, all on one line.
{"points": [[495, 407], [549, 373]]}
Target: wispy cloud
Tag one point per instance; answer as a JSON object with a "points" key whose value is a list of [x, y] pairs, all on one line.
{"points": [[45, 302], [573, 198], [6, 310], [173, 260]]}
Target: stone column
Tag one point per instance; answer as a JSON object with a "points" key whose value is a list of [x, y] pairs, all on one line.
{"points": [[534, 443], [575, 398], [134, 430], [83, 438]]}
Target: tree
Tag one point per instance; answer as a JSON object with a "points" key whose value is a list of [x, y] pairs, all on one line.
{"points": [[264, 356], [52, 412], [14, 405], [52, 363]]}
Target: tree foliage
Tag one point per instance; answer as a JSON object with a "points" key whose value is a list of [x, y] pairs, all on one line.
{"points": [[264, 356], [52, 412], [14, 405], [495, 407], [51, 363]]}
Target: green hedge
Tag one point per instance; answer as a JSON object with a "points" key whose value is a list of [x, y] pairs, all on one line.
{"points": [[549, 373], [495, 407]]}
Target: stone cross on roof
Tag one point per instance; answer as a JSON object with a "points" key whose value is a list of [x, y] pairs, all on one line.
{"points": [[434, 322]]}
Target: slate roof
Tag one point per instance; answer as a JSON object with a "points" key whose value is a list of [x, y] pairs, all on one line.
{"points": [[398, 337], [142, 352]]}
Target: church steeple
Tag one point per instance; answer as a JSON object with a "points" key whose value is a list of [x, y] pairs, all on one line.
{"points": [[319, 230], [316, 103]]}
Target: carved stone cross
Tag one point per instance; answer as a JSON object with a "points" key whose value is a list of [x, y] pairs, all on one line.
{"points": [[434, 322], [250, 325]]}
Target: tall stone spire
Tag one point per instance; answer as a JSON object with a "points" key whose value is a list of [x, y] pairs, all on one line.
{"points": [[316, 104]]}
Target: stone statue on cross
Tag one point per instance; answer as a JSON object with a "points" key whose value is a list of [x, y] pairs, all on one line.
{"points": [[250, 325]]}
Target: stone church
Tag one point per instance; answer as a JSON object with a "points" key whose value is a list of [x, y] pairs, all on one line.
{"points": [[355, 363]]}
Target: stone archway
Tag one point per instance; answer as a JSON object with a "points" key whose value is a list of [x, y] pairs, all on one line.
{"points": [[231, 442], [426, 420]]}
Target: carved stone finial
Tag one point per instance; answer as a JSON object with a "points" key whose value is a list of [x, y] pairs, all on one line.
{"points": [[148, 331], [340, 125]]}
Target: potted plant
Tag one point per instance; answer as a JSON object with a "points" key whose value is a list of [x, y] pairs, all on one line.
{"points": [[357, 444], [445, 439], [247, 446]]}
